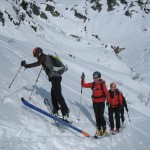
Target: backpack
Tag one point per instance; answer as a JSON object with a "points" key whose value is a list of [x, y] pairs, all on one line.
{"points": [[101, 84], [55, 64]]}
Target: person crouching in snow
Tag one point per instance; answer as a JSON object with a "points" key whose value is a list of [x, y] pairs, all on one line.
{"points": [[114, 105], [100, 93]]}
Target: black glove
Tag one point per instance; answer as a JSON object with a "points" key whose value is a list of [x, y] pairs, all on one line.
{"points": [[82, 76], [23, 63], [127, 109]]}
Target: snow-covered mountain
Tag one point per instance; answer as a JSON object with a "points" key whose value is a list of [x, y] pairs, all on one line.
{"points": [[109, 36]]}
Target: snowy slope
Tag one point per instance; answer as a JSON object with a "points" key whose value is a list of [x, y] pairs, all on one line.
{"points": [[21, 128]]}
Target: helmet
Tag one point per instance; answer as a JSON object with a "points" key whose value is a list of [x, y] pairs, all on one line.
{"points": [[113, 85], [36, 51], [96, 74]]}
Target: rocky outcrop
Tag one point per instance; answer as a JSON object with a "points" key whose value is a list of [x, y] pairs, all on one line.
{"points": [[35, 9], [80, 16], [96, 5], [76, 37], [32, 8], [24, 5], [123, 2], [51, 9], [143, 6], [2, 19], [111, 4], [43, 15], [117, 49], [96, 36]]}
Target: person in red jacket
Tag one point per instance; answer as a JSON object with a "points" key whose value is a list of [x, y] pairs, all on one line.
{"points": [[99, 95], [114, 103]]}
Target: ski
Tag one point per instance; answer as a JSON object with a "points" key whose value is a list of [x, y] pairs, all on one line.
{"points": [[108, 134], [102, 136], [26, 103], [57, 124], [50, 111]]}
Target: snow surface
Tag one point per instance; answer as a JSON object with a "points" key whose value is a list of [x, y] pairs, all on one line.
{"points": [[24, 129]]}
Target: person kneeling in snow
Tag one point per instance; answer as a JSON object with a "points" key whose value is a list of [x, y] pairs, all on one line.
{"points": [[114, 104], [99, 95]]}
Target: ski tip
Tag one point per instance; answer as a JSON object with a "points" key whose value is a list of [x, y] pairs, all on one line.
{"points": [[85, 134], [22, 99]]}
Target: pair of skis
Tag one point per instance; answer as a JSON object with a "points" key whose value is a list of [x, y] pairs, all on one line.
{"points": [[107, 135], [56, 123], [59, 121], [26, 103]]}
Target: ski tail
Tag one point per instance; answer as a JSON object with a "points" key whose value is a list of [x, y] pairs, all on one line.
{"points": [[53, 117], [85, 134]]}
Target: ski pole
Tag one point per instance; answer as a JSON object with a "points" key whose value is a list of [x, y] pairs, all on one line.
{"points": [[80, 98], [130, 124], [35, 83], [128, 116], [80, 103], [73, 108], [15, 77], [148, 100], [121, 124]]}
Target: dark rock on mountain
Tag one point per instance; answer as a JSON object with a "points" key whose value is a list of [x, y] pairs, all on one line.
{"points": [[2, 18]]}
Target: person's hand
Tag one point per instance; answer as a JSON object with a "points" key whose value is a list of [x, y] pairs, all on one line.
{"points": [[82, 76], [127, 109], [23, 63]]}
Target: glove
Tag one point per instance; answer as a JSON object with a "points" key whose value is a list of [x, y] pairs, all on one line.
{"points": [[127, 109], [23, 63], [82, 76]]}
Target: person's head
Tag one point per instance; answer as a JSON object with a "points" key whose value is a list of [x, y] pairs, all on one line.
{"points": [[96, 76], [113, 86], [37, 52]]}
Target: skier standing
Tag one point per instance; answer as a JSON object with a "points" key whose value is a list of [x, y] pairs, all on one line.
{"points": [[58, 100], [114, 105], [99, 95]]}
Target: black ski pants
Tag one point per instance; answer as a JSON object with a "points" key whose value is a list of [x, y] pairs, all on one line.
{"points": [[99, 115], [58, 100], [112, 111]]}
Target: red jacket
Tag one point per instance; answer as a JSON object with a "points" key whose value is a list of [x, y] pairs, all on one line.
{"points": [[115, 98], [100, 92]]}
